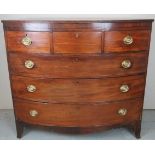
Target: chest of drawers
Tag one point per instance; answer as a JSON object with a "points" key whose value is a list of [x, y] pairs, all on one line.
{"points": [[78, 74]]}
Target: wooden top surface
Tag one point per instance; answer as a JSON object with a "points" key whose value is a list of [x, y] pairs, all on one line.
{"points": [[81, 21]]}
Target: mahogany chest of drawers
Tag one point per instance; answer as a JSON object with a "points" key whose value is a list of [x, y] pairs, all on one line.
{"points": [[78, 74]]}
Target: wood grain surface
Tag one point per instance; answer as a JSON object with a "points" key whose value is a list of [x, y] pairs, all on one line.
{"points": [[73, 115]]}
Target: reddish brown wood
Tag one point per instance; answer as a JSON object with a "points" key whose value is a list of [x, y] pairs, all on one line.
{"points": [[83, 25], [78, 76], [77, 26], [40, 42], [77, 42], [114, 41], [127, 25], [16, 25], [78, 90], [76, 115], [80, 66]]}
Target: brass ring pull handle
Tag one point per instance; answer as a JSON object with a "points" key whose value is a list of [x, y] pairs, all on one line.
{"points": [[31, 88], [126, 64], [33, 113], [122, 112], [29, 64], [26, 41], [124, 88], [128, 40]]}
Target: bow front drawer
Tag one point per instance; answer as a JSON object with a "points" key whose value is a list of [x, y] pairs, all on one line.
{"points": [[123, 41], [78, 66], [73, 115], [78, 90], [28, 42]]}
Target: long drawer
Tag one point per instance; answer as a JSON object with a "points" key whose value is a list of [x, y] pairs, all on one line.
{"points": [[78, 90], [90, 66], [78, 115]]}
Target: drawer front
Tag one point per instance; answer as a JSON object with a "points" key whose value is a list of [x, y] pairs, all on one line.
{"points": [[77, 66], [28, 42], [122, 41], [77, 42], [78, 115], [78, 90]]}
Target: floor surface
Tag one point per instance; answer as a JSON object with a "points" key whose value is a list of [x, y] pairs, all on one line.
{"points": [[8, 130]]}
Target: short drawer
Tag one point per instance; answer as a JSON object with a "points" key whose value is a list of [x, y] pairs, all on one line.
{"points": [[72, 115], [122, 41], [107, 65], [78, 90], [28, 42], [77, 42]]}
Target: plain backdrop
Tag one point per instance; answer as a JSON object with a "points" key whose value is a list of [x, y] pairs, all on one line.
{"points": [[5, 92]]}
